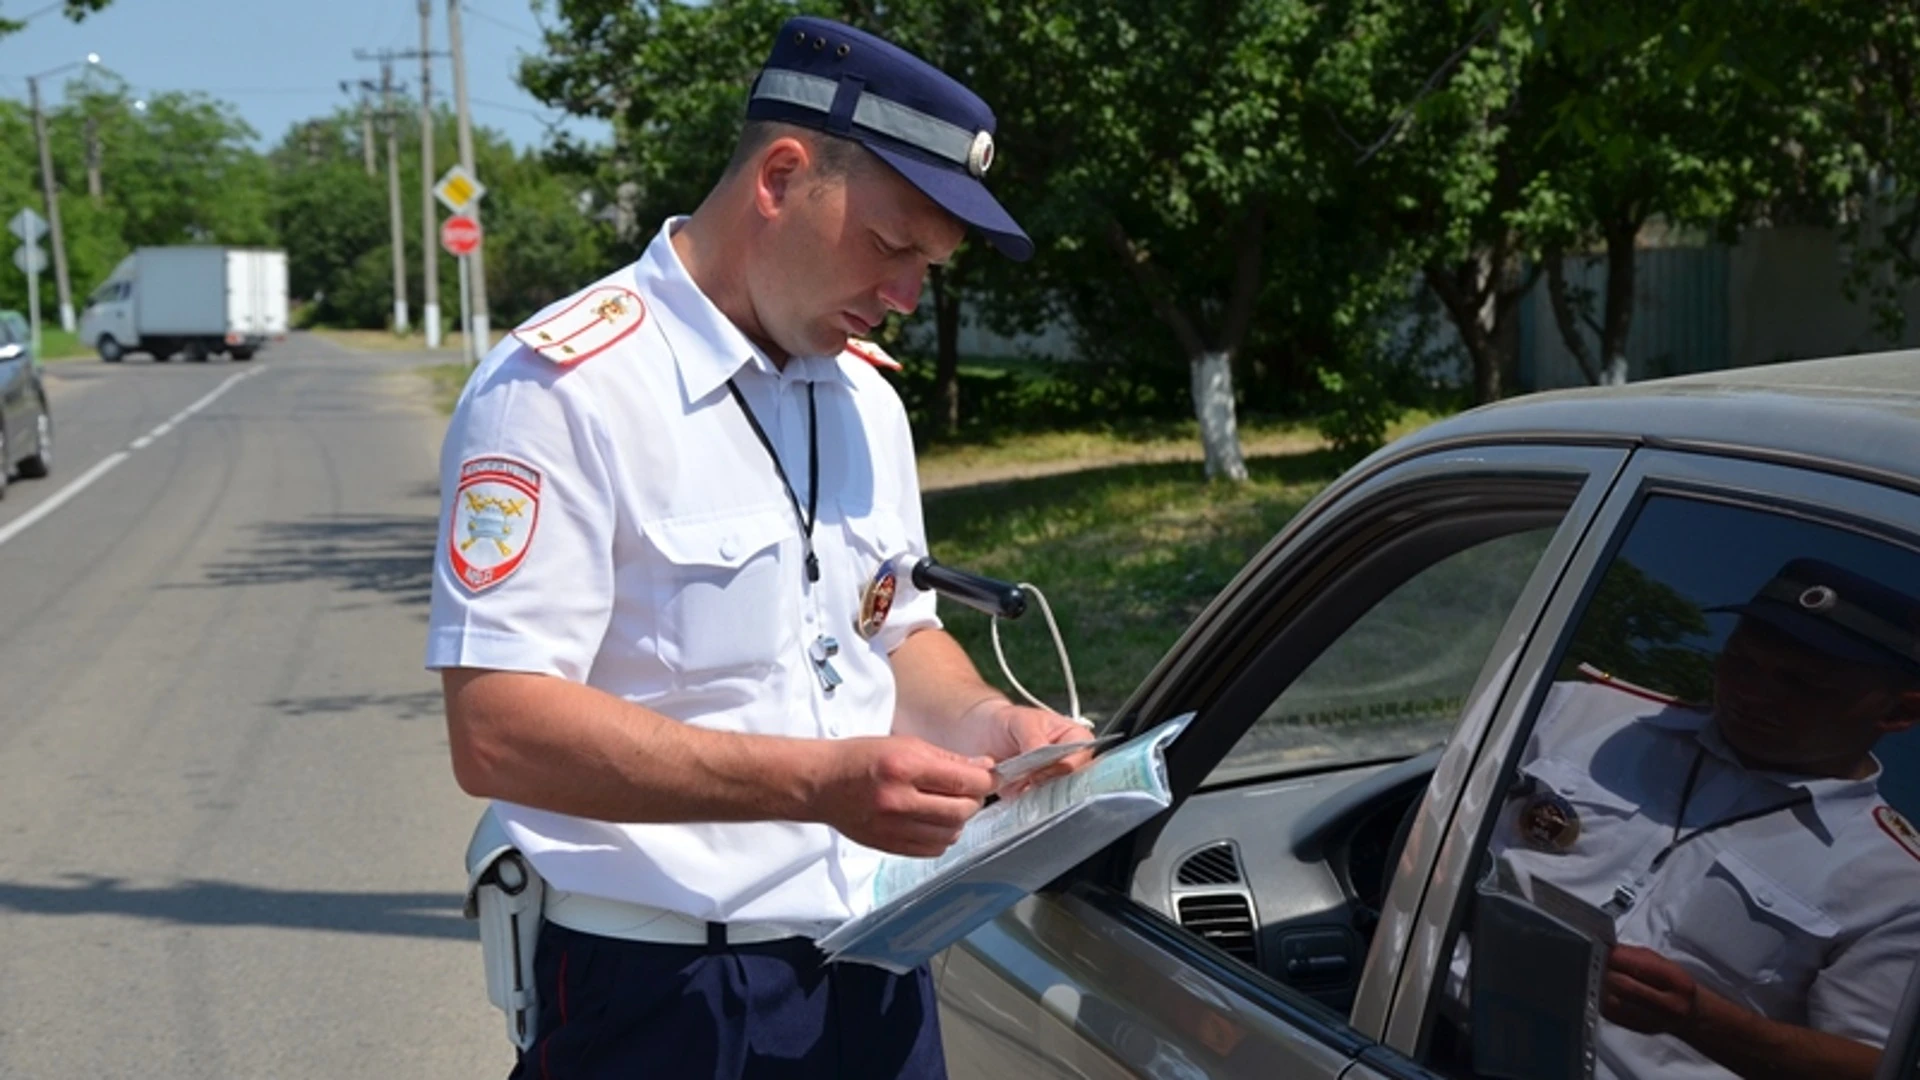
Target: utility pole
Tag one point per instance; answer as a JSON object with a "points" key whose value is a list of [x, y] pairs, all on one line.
{"points": [[93, 160], [391, 119], [429, 256], [365, 91], [477, 273], [53, 207]]}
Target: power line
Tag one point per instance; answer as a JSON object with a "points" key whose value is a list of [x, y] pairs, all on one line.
{"points": [[501, 23]]}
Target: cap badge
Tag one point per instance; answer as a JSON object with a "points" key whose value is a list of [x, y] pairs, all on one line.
{"points": [[980, 154], [1549, 822], [1819, 598], [876, 600]]}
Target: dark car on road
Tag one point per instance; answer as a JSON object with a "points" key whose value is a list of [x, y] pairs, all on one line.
{"points": [[26, 422], [1324, 898]]}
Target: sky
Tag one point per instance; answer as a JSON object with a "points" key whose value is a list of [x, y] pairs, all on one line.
{"points": [[281, 61]]}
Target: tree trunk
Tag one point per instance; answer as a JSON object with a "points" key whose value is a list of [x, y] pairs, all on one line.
{"points": [[1621, 234], [1567, 318], [1211, 369], [1213, 406], [1482, 295], [1473, 313], [946, 370]]}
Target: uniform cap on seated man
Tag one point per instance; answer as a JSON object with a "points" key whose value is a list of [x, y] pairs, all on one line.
{"points": [[934, 132], [1839, 613]]}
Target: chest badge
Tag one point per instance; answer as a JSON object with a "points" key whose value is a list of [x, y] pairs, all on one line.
{"points": [[876, 600], [1548, 822], [494, 512]]}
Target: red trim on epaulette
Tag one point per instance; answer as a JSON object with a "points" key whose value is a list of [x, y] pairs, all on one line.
{"points": [[598, 296], [1625, 687], [1894, 824], [876, 358]]}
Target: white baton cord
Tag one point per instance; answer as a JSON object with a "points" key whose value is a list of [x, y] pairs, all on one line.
{"points": [[1060, 646]]}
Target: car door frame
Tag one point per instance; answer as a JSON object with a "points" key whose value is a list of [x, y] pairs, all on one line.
{"points": [[1871, 501], [1272, 602]]}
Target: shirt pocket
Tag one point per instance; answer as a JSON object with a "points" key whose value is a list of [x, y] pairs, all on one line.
{"points": [[1740, 921], [724, 595]]}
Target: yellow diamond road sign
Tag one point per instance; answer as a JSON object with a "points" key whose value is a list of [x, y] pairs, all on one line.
{"points": [[458, 189]]}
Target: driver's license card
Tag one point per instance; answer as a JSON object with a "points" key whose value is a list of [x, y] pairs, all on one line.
{"points": [[1006, 772]]}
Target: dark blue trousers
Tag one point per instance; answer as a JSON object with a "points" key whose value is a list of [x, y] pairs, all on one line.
{"points": [[628, 1009]]}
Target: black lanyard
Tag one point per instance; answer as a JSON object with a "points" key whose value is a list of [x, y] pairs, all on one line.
{"points": [[1686, 795], [812, 513]]}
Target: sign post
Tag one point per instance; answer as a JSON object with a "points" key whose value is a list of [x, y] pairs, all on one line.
{"points": [[461, 236], [460, 191], [466, 323], [32, 261]]}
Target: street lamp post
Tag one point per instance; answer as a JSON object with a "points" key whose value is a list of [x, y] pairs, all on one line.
{"points": [[52, 197]]}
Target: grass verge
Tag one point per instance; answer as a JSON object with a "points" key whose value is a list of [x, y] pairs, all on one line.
{"points": [[57, 344], [1126, 554], [448, 380]]}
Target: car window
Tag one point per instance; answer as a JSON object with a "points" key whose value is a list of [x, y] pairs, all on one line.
{"points": [[1704, 862], [1393, 683]]}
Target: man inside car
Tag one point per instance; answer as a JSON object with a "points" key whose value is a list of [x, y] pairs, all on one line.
{"points": [[1764, 898]]}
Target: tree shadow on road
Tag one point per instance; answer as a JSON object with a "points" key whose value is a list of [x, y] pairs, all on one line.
{"points": [[387, 554], [225, 903], [414, 706]]}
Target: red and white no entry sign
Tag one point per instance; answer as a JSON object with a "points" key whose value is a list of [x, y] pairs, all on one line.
{"points": [[460, 235]]}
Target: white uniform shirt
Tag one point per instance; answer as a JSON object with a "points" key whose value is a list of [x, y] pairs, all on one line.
{"points": [[1809, 915], [663, 564]]}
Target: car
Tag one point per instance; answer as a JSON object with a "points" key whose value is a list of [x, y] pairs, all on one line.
{"points": [[1363, 694], [26, 421]]}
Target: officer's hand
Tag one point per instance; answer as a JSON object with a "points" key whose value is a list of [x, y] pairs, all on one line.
{"points": [[1017, 729], [901, 794], [1648, 993]]}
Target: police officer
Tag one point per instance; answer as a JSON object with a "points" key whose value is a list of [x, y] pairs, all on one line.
{"points": [[1765, 898], [676, 651]]}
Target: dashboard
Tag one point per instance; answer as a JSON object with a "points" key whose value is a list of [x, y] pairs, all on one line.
{"points": [[1287, 874]]}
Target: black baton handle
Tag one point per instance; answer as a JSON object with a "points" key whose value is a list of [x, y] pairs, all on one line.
{"points": [[979, 593]]}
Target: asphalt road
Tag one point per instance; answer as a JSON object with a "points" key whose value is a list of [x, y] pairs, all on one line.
{"points": [[231, 841]]}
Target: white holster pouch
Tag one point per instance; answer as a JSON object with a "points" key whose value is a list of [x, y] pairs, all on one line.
{"points": [[506, 897]]}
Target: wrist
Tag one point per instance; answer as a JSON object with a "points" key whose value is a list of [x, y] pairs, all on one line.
{"points": [[982, 709]]}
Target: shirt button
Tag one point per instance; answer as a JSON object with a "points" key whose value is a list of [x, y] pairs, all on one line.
{"points": [[1765, 900], [729, 548]]}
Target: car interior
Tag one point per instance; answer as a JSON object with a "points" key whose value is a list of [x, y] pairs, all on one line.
{"points": [[1281, 856]]}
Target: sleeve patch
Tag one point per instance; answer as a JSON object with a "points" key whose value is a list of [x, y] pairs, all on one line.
{"points": [[1899, 828], [872, 354], [591, 324], [494, 511]]}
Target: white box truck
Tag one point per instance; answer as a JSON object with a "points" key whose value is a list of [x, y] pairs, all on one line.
{"points": [[197, 301]]}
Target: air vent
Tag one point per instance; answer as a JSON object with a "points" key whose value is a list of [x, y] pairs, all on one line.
{"points": [[1216, 864], [1226, 919]]}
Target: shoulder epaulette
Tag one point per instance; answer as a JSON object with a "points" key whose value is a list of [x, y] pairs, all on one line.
{"points": [[588, 326], [1625, 687], [1894, 824], [872, 354]]}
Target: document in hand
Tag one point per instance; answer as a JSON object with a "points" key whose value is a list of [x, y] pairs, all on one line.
{"points": [[1008, 850]]}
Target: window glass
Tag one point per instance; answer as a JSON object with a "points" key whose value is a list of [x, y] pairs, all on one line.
{"points": [[1393, 684], [1701, 866]]}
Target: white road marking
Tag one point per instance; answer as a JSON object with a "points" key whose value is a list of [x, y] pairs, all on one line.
{"points": [[111, 461]]}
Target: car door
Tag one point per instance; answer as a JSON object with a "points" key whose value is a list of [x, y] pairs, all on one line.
{"points": [[1684, 553], [1094, 977], [16, 373]]}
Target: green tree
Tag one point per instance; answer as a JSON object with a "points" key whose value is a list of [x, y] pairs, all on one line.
{"points": [[72, 9]]}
